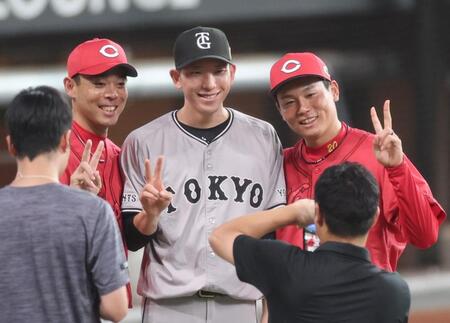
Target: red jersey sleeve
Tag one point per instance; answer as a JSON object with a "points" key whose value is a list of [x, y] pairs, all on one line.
{"points": [[419, 214]]}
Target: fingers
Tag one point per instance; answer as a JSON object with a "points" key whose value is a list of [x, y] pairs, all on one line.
{"points": [[165, 195], [387, 118], [86, 151], [97, 154], [86, 170], [84, 183], [388, 139], [148, 171], [382, 131], [97, 181], [305, 210], [154, 178], [151, 190], [385, 140], [387, 115], [86, 176], [158, 168], [95, 157], [151, 193], [375, 121], [84, 180]]}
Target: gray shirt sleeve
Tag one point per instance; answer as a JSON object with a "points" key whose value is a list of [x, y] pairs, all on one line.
{"points": [[106, 258], [132, 160], [277, 196]]}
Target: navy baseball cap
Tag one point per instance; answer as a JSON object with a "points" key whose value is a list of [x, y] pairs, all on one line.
{"points": [[198, 43]]}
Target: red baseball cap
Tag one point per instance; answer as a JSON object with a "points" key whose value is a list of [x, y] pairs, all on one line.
{"points": [[97, 56], [294, 65]]}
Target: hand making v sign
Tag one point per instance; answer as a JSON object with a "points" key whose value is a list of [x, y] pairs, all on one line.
{"points": [[154, 198], [387, 145], [86, 176]]}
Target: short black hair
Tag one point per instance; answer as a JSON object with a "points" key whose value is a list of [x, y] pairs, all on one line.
{"points": [[116, 70], [348, 197], [36, 119], [274, 95]]}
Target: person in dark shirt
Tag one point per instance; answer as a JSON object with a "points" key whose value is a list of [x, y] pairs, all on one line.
{"points": [[335, 283]]}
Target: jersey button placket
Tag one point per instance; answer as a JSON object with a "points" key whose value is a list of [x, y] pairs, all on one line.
{"points": [[209, 219]]}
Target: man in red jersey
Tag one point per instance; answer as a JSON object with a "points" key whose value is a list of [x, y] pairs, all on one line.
{"points": [[306, 96], [96, 80]]}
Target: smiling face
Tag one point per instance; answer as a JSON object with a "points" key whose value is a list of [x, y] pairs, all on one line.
{"points": [[309, 108], [205, 85], [97, 100]]}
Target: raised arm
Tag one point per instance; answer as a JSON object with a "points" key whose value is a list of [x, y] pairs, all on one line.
{"points": [[420, 215], [154, 199], [258, 224]]}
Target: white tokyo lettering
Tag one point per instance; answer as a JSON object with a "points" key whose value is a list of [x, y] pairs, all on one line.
{"points": [[203, 40], [109, 51], [295, 65]]}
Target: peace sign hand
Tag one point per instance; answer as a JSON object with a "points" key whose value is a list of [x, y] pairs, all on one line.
{"points": [[86, 175], [154, 197], [387, 145]]}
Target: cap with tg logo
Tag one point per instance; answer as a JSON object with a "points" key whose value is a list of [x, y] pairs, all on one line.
{"points": [[198, 43]]}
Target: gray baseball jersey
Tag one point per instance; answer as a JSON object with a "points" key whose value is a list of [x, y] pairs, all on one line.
{"points": [[239, 172]]}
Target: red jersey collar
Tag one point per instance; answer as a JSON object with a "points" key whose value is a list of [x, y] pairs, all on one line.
{"points": [[315, 155], [84, 135]]}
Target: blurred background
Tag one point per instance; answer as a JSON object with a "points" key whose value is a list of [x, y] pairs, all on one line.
{"points": [[396, 49]]}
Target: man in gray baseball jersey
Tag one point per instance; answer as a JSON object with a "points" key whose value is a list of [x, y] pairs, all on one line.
{"points": [[220, 163]]}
